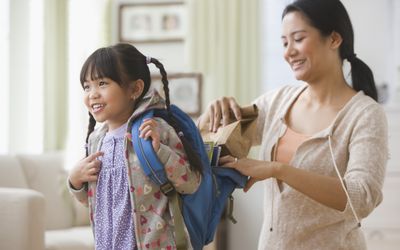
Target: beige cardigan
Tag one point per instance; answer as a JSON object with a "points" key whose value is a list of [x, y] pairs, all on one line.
{"points": [[359, 141]]}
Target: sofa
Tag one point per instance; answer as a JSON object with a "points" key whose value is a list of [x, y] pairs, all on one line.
{"points": [[36, 210]]}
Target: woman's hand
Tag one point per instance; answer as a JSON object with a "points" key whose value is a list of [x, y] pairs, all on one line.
{"points": [[222, 108], [149, 129], [86, 170], [255, 169]]}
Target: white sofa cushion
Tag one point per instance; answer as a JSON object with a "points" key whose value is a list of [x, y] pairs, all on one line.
{"points": [[11, 174], [77, 238], [22, 219], [45, 174]]}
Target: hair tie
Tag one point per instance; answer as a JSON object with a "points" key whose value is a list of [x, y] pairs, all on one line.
{"points": [[148, 59], [351, 57]]}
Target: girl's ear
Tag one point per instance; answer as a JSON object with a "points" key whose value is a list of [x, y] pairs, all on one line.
{"points": [[336, 40], [137, 88]]}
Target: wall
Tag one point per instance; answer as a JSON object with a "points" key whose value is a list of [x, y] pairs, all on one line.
{"points": [[276, 71]]}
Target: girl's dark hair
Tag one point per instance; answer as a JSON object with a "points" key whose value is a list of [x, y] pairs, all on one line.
{"points": [[123, 64], [328, 16]]}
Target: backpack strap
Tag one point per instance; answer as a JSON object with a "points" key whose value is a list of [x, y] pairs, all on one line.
{"points": [[154, 169], [149, 161], [180, 234]]}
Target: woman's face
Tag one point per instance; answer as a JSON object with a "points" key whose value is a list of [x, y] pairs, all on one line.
{"points": [[305, 50]]}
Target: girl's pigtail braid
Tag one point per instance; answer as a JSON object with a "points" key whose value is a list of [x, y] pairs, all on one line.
{"points": [[164, 80], [193, 157], [92, 124]]}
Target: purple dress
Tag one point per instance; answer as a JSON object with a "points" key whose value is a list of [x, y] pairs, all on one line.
{"points": [[113, 223]]}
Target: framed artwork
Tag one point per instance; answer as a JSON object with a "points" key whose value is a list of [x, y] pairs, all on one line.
{"points": [[152, 22], [184, 91]]}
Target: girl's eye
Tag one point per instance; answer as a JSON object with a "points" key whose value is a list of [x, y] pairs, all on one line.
{"points": [[102, 83], [86, 88], [299, 39], [285, 44]]}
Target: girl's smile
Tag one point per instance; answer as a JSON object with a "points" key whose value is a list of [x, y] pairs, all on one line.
{"points": [[97, 107]]}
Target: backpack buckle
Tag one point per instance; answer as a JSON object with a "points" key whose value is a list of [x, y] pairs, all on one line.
{"points": [[166, 188]]}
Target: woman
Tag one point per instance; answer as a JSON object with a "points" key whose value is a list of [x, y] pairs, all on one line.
{"points": [[323, 143]]}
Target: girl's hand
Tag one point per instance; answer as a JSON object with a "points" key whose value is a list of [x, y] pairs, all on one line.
{"points": [[85, 170], [255, 169], [222, 108], [149, 129]]}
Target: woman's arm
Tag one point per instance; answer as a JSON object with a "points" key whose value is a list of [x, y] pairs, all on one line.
{"points": [[220, 110], [326, 190], [323, 189]]}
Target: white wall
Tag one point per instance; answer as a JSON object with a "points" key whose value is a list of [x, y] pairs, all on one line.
{"points": [[275, 70], [396, 42]]}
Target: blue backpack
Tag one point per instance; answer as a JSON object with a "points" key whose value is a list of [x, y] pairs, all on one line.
{"points": [[202, 210]]}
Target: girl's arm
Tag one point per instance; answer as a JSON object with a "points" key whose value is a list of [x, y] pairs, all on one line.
{"points": [[170, 151], [86, 170]]}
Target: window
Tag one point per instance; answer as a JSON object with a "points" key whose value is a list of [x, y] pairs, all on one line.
{"points": [[4, 70], [21, 71], [35, 116]]}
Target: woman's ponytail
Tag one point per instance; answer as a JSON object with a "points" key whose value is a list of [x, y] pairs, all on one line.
{"points": [[362, 77]]}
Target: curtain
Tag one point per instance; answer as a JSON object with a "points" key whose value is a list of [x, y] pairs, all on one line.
{"points": [[224, 45], [55, 73]]}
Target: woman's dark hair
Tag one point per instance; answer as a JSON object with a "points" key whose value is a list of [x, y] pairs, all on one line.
{"points": [[124, 64], [328, 16]]}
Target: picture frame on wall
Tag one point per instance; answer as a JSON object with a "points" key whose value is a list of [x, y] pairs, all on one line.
{"points": [[184, 91], [152, 22]]}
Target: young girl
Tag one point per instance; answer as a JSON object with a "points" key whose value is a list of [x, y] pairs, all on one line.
{"points": [[127, 210]]}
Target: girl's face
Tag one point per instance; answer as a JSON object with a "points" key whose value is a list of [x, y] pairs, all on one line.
{"points": [[305, 50], [108, 102]]}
